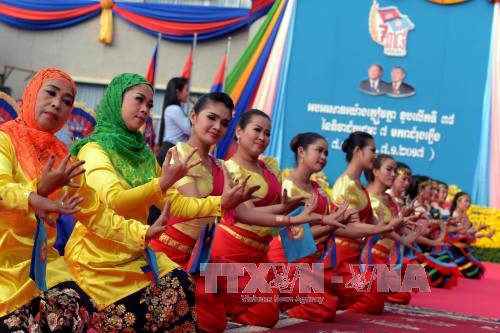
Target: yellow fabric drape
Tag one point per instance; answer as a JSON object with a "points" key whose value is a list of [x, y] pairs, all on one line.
{"points": [[106, 22]]}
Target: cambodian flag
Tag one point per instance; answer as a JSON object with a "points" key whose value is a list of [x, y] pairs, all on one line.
{"points": [[151, 73], [38, 264], [218, 84], [151, 268], [186, 71], [149, 131], [297, 240], [389, 13], [401, 24]]}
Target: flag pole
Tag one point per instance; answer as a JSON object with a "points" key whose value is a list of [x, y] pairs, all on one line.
{"points": [[157, 51], [151, 113], [195, 40], [228, 49], [157, 58]]}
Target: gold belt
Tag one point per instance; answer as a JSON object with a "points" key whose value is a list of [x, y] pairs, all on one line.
{"points": [[246, 240], [169, 241], [379, 253], [467, 265], [348, 244]]}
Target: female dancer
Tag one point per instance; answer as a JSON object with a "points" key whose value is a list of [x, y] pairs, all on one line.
{"points": [[461, 248], [431, 251], [249, 243], [311, 152], [387, 250], [26, 146], [359, 148], [399, 188], [440, 200]]}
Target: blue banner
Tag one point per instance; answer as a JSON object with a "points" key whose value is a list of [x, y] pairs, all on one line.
{"points": [[412, 73]]}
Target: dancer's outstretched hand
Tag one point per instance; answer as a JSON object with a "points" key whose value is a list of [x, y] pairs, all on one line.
{"points": [[235, 193], [44, 206], [160, 225], [54, 179]]}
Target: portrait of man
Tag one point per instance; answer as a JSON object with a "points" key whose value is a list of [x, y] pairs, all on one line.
{"points": [[374, 85], [398, 87]]}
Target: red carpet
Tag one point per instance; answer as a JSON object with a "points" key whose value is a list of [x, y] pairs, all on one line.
{"points": [[472, 306], [398, 319], [472, 297]]}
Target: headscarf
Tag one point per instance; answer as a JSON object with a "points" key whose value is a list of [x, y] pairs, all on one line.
{"points": [[34, 147], [130, 155]]}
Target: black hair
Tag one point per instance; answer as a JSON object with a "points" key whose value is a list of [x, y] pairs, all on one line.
{"points": [[454, 202], [246, 117], [355, 139], [401, 165], [304, 140], [173, 86], [413, 189], [441, 183], [213, 97], [381, 158]]}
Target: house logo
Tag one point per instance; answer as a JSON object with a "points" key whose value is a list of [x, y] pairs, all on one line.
{"points": [[389, 28], [296, 232]]}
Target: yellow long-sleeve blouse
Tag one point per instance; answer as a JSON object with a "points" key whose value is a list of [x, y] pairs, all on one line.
{"points": [[105, 252], [134, 203], [240, 173], [17, 235]]}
